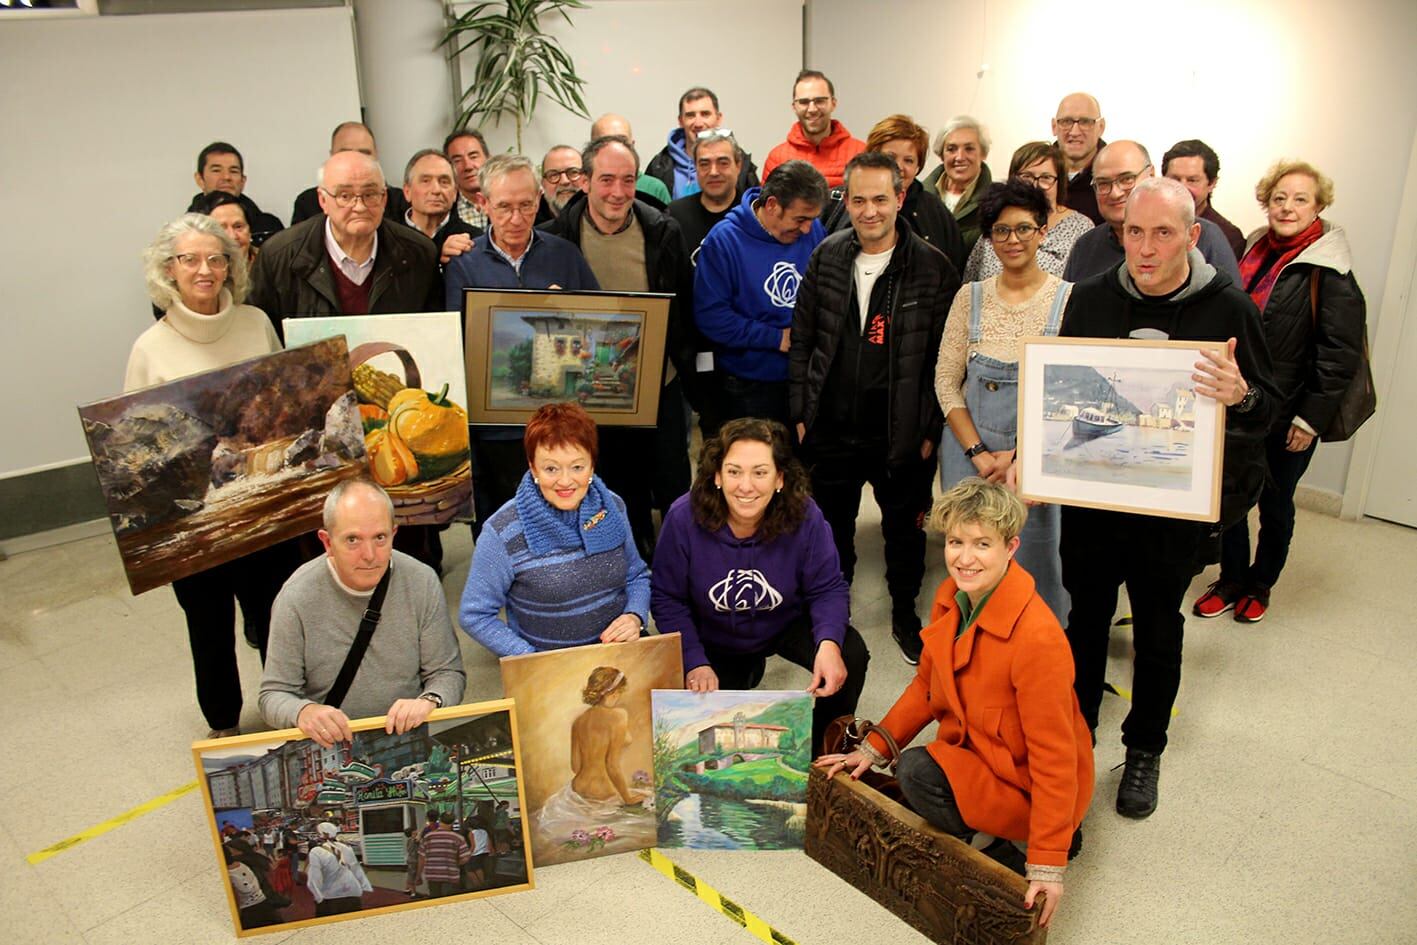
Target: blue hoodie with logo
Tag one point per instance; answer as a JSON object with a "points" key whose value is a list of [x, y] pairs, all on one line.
{"points": [[745, 287]]}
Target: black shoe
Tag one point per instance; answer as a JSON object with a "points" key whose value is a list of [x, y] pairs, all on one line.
{"points": [[907, 636], [1075, 847], [249, 632], [1004, 853], [1136, 796]]}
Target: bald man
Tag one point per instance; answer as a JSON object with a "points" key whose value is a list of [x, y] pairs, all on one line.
{"points": [[645, 185], [1078, 126]]}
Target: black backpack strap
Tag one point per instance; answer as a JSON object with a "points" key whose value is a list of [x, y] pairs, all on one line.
{"points": [[367, 623]]}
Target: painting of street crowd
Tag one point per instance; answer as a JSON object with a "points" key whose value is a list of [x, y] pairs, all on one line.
{"points": [[731, 768], [269, 795], [204, 469]]}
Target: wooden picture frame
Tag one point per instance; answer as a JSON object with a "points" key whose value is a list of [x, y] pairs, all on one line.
{"points": [[529, 347], [1116, 424], [279, 785]]}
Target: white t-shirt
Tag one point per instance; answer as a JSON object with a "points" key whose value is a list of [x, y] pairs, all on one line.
{"points": [[866, 269]]}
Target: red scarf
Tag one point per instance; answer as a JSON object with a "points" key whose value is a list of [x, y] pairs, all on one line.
{"points": [[1268, 246]]}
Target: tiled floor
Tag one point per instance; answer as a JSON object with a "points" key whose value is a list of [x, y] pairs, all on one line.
{"points": [[1288, 795]]}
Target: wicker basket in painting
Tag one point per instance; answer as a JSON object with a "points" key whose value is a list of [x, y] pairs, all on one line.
{"points": [[433, 501]]}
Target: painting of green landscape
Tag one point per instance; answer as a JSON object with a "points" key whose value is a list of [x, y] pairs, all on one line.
{"points": [[731, 768]]}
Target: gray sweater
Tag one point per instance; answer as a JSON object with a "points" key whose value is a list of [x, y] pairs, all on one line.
{"points": [[314, 622]]}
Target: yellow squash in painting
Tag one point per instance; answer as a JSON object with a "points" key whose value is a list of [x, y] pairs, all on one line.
{"points": [[391, 462], [432, 426]]}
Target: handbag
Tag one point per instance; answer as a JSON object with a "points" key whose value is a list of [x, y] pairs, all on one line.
{"points": [[846, 733], [1360, 399]]}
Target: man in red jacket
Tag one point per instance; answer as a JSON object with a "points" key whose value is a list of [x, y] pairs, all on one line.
{"points": [[817, 138]]}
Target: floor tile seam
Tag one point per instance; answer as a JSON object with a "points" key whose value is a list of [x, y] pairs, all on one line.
{"points": [[118, 915], [1359, 781]]}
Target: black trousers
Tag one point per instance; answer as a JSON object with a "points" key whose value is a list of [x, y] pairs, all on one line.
{"points": [[497, 469], [1276, 519], [1155, 558], [648, 467], [796, 645], [744, 397], [208, 599], [904, 496]]}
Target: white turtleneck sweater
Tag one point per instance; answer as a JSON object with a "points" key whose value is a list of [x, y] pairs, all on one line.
{"points": [[184, 342]]}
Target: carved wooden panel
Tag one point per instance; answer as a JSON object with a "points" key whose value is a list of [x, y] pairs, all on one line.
{"points": [[949, 891]]}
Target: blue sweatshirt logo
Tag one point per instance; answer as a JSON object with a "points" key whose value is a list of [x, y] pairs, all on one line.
{"points": [[782, 284], [744, 589]]}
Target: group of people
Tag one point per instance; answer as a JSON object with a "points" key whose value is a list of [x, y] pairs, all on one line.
{"points": [[844, 322]]}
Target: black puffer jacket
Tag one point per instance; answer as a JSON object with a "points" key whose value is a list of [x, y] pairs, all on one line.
{"points": [[925, 285], [1314, 359], [926, 215]]}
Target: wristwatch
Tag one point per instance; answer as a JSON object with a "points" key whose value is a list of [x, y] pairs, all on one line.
{"points": [[975, 450], [434, 698], [1246, 403]]}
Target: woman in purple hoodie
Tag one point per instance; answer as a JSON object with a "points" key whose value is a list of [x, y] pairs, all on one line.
{"points": [[745, 567]]}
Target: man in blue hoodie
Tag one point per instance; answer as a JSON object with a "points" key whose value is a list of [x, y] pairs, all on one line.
{"points": [[745, 287], [674, 164]]}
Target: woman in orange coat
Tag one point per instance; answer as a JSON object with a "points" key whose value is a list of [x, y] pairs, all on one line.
{"points": [[1013, 756]]}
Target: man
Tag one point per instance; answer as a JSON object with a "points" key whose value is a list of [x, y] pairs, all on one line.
{"points": [[674, 165], [1163, 289], [718, 166], [412, 665], [441, 858], [1197, 166], [865, 334], [347, 136], [816, 138], [467, 149], [650, 189], [1119, 167], [1078, 128], [745, 286], [429, 189], [633, 247], [561, 179], [220, 167], [511, 255]]}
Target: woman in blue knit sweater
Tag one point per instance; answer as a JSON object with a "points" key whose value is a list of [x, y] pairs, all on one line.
{"points": [[559, 557]]}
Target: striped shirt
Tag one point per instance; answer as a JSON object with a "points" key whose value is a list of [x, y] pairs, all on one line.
{"points": [[443, 852]]}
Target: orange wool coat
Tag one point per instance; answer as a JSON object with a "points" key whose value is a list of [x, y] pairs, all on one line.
{"points": [[1012, 740], [829, 157]]}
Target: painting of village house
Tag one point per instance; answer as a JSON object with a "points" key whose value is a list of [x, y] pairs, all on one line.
{"points": [[204, 469], [603, 350], [408, 377], [267, 794], [586, 739], [731, 768], [1118, 425]]}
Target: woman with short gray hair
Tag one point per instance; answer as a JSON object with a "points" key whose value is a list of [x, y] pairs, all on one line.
{"points": [[962, 146]]}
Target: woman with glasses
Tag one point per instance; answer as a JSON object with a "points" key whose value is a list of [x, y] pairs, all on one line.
{"points": [[1041, 164], [976, 375], [962, 177], [196, 274]]}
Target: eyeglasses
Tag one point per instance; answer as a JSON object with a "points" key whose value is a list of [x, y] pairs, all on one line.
{"points": [[820, 101], [345, 199], [1001, 233], [1068, 123], [1123, 182], [571, 174], [1040, 180], [507, 210], [216, 262]]}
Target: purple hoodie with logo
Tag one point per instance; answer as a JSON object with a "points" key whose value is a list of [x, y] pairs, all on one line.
{"points": [[740, 594]]}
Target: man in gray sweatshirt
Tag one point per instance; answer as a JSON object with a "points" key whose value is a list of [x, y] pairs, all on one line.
{"points": [[413, 664]]}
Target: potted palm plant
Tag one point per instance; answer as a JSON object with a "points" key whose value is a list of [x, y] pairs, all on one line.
{"points": [[518, 63]]}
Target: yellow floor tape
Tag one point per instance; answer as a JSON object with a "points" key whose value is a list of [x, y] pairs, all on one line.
{"points": [[714, 898], [99, 830], [1117, 690]]}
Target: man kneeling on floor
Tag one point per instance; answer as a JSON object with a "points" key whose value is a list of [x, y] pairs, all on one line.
{"points": [[323, 623]]}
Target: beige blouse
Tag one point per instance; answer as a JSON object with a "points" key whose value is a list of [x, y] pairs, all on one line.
{"points": [[1000, 327]]}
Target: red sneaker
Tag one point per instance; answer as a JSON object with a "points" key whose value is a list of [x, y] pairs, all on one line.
{"points": [[1252, 606], [1217, 599]]}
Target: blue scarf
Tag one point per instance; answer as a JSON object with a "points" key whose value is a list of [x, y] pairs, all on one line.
{"points": [[596, 525]]}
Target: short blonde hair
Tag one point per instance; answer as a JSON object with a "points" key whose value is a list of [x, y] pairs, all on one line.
{"points": [[975, 501], [1323, 185], [162, 288]]}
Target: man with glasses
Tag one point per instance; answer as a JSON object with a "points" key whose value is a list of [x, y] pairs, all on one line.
{"points": [[467, 150], [1117, 169], [561, 179], [674, 165], [349, 136], [816, 138], [1078, 128]]}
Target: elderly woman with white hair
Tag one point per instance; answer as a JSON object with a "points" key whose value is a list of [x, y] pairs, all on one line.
{"points": [[196, 274], [962, 146]]}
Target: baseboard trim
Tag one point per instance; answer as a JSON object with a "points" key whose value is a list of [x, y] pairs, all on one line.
{"points": [[1318, 500], [9, 547]]}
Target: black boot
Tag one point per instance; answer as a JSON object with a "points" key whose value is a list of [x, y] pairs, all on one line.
{"points": [[1004, 853], [905, 627], [1136, 796]]}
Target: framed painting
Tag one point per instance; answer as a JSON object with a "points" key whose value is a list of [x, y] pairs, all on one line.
{"points": [[1116, 424], [526, 348], [731, 768], [586, 738], [408, 376], [207, 468], [301, 831]]}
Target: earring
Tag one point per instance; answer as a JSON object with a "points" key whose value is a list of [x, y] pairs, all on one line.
{"points": [[779, 488], [535, 481]]}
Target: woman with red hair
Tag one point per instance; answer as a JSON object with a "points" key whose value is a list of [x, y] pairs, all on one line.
{"points": [[559, 557]]}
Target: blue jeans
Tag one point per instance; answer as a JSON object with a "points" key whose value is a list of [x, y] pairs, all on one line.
{"points": [[1276, 519], [744, 397]]}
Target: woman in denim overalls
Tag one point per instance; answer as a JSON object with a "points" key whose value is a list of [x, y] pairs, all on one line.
{"points": [[978, 389]]}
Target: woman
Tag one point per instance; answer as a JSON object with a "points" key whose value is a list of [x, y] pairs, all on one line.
{"points": [[231, 214], [1039, 163], [559, 557], [254, 908], [961, 179], [336, 880], [197, 275], [474, 871], [1298, 271], [1012, 757], [976, 374], [746, 567]]}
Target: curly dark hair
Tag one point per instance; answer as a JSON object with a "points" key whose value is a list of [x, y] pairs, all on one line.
{"points": [[785, 510], [1016, 192]]}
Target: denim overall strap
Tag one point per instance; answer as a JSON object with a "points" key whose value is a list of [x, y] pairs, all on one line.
{"points": [[1055, 314], [976, 310]]}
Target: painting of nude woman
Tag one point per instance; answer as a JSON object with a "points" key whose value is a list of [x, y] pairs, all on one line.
{"points": [[586, 735]]}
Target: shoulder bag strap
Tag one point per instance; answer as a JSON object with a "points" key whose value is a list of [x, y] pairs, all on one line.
{"points": [[357, 649]]}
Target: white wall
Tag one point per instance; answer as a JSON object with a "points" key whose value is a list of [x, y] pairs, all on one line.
{"points": [[1331, 81], [405, 77]]}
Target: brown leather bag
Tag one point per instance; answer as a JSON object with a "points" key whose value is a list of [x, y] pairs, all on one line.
{"points": [[845, 733]]}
